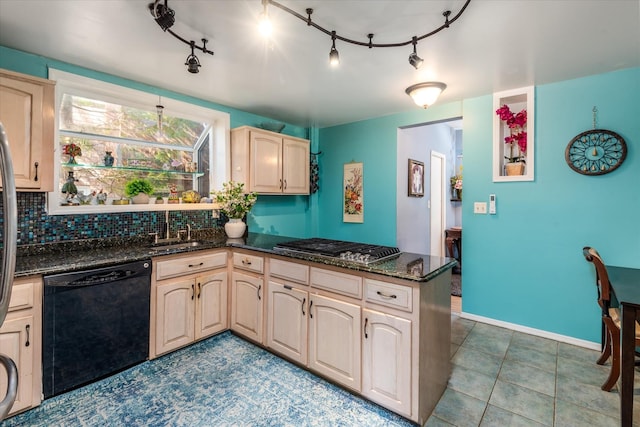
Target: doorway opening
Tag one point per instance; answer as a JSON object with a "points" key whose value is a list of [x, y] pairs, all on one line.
{"points": [[424, 223]]}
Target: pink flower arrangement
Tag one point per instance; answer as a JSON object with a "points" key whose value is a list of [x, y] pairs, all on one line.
{"points": [[517, 124]]}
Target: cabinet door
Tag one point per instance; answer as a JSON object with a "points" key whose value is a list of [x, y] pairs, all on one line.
{"points": [[266, 163], [26, 111], [246, 306], [335, 339], [211, 304], [174, 314], [295, 166], [386, 363], [287, 321], [16, 342]]}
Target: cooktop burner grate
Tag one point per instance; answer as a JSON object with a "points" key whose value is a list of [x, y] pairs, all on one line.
{"points": [[357, 252]]}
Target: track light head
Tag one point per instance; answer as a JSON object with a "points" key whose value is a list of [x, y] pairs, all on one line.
{"points": [[192, 61], [414, 59], [163, 14], [264, 23], [334, 56]]}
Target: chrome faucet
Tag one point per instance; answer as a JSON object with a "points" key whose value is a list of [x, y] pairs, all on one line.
{"points": [[167, 228]]}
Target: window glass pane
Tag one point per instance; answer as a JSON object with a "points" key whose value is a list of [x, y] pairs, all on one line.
{"points": [[80, 114]]}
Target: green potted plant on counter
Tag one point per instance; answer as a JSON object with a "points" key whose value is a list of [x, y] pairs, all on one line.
{"points": [[234, 203], [139, 190]]}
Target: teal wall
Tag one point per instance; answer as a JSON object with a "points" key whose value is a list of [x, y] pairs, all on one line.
{"points": [[296, 211], [523, 265], [372, 142]]}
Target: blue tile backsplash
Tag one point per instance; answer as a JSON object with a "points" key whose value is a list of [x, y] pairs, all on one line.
{"points": [[36, 227]]}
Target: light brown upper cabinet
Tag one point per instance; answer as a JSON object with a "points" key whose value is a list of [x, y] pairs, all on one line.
{"points": [[26, 111], [268, 162]]}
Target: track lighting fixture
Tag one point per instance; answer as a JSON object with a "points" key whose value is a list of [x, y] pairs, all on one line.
{"points": [[264, 25], [425, 94], [334, 56], [414, 59], [192, 60], [165, 18]]}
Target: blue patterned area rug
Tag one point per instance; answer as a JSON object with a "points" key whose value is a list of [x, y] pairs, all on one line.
{"points": [[222, 381]]}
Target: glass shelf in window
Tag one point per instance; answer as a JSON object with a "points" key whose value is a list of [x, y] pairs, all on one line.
{"points": [[134, 169]]}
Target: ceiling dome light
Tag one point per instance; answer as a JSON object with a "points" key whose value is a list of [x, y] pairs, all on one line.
{"points": [[425, 94], [334, 56]]}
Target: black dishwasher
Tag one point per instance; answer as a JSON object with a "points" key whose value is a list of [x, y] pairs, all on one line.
{"points": [[95, 323]]}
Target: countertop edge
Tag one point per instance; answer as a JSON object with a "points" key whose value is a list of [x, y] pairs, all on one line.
{"points": [[407, 266]]}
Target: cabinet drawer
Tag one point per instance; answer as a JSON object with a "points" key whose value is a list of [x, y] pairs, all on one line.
{"points": [[340, 283], [190, 264], [389, 294], [248, 262], [290, 271], [21, 296]]}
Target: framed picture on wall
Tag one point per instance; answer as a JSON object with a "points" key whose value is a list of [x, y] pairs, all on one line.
{"points": [[416, 178], [353, 193]]}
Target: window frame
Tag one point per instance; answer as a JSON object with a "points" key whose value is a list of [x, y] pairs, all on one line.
{"points": [[219, 133]]}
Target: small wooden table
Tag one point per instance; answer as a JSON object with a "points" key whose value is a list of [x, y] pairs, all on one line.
{"points": [[453, 236], [625, 283]]}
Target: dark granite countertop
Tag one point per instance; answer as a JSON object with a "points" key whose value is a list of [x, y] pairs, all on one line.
{"points": [[95, 253]]}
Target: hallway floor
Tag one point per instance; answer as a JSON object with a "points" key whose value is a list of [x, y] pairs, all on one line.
{"points": [[499, 378]]}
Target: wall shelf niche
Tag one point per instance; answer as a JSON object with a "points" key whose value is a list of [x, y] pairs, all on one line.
{"points": [[517, 100]]}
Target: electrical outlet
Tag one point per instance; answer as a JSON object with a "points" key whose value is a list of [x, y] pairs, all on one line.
{"points": [[480, 207]]}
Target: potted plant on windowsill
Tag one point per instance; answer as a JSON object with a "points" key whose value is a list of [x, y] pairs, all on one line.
{"points": [[139, 190], [234, 203], [516, 140]]}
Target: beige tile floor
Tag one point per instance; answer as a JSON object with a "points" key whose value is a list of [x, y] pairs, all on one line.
{"points": [[504, 378]]}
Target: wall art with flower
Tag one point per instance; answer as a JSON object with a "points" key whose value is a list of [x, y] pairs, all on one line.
{"points": [[353, 196], [513, 135]]}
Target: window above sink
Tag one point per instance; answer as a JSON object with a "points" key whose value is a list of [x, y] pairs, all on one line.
{"points": [[124, 134]]}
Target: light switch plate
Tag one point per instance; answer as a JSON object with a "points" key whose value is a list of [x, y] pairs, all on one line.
{"points": [[480, 207]]}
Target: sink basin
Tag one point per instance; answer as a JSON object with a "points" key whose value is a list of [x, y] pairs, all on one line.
{"points": [[173, 246]]}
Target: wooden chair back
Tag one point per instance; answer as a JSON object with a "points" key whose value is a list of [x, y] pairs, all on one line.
{"points": [[602, 278]]}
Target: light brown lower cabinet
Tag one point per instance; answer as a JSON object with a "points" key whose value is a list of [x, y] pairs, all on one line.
{"points": [[334, 340], [21, 340], [189, 305], [247, 305], [386, 360], [287, 321]]}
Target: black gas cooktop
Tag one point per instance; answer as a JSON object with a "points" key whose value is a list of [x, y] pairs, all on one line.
{"points": [[361, 253]]}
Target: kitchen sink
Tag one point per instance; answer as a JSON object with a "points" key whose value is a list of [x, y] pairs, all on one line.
{"points": [[173, 246]]}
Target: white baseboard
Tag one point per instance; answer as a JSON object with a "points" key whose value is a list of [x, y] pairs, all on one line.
{"points": [[532, 331]]}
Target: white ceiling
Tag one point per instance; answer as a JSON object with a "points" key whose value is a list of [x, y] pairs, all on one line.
{"points": [[495, 45]]}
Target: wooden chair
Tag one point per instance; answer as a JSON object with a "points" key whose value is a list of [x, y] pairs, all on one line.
{"points": [[610, 319]]}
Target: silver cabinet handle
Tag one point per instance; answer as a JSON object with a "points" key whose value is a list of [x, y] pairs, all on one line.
{"points": [[196, 265], [199, 289], [285, 184], [366, 320], [35, 178], [259, 287], [27, 328], [310, 305], [193, 291], [303, 301], [388, 296], [246, 261]]}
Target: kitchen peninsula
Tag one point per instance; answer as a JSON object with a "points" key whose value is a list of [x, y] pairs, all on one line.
{"points": [[380, 330]]}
